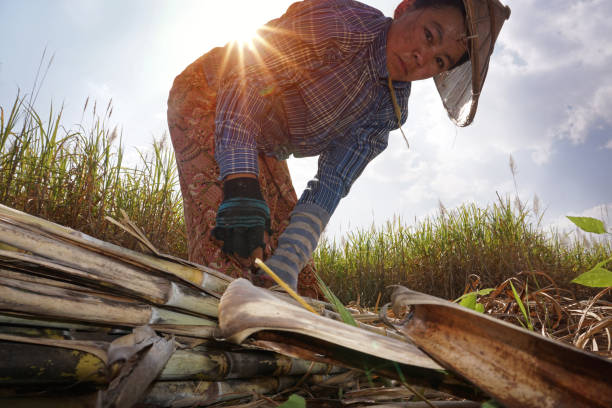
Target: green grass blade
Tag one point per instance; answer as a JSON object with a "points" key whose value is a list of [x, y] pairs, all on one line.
{"points": [[345, 315], [522, 307]]}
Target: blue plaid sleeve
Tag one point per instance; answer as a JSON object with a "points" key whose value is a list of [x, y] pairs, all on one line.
{"points": [[236, 127], [340, 165]]}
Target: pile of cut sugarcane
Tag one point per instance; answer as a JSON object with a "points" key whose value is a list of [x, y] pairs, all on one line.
{"points": [[87, 323]]}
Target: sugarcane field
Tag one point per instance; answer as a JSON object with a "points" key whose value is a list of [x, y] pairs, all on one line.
{"points": [[305, 204]]}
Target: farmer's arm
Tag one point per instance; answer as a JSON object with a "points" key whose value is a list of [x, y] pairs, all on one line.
{"points": [[248, 101], [338, 168]]}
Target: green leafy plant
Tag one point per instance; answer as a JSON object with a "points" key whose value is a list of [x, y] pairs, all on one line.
{"points": [[589, 224], [598, 276], [470, 300], [294, 401]]}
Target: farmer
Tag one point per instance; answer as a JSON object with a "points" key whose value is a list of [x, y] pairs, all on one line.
{"points": [[330, 78]]}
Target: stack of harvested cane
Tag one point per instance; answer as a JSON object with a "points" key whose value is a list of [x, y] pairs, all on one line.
{"points": [[67, 306], [85, 322]]}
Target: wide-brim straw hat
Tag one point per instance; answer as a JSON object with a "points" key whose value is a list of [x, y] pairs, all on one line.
{"points": [[460, 87]]}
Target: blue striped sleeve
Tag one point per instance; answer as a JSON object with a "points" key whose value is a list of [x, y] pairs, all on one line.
{"points": [[298, 242]]}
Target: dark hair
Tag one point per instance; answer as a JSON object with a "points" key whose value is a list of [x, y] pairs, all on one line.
{"points": [[438, 4]]}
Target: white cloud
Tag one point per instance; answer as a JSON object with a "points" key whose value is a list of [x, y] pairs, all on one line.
{"points": [[541, 36], [609, 144], [549, 79], [417, 193], [100, 92], [581, 119], [586, 28], [82, 12]]}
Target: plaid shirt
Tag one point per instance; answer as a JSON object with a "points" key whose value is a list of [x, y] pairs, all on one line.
{"points": [[315, 84]]}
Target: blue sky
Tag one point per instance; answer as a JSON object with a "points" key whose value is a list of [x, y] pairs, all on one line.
{"points": [[547, 100]]}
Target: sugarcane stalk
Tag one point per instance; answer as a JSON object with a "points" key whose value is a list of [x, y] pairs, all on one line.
{"points": [[199, 363], [41, 280], [99, 268], [72, 262], [8, 320], [186, 298], [33, 332], [24, 363], [41, 300], [96, 348], [205, 278], [216, 365]]}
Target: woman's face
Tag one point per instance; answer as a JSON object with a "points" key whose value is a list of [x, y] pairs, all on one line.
{"points": [[422, 43]]}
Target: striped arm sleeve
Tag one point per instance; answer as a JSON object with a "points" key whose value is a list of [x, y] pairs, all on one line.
{"points": [[298, 242]]}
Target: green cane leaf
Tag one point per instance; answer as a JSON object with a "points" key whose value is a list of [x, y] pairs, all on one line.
{"points": [[294, 401], [479, 308], [588, 224], [345, 315], [597, 277]]}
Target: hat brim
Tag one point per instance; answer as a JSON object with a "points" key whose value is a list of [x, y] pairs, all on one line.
{"points": [[460, 87]]}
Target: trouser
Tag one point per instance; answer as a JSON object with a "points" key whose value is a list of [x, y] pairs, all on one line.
{"points": [[191, 120]]}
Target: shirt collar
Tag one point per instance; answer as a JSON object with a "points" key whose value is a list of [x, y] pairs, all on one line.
{"points": [[379, 55]]}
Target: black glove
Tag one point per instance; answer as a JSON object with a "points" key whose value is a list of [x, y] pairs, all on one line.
{"points": [[242, 217]]}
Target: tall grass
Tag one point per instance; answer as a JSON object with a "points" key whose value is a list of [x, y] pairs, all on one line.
{"points": [[438, 255], [76, 177]]}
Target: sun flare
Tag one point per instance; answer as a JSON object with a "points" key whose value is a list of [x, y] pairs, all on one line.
{"points": [[246, 37]]}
